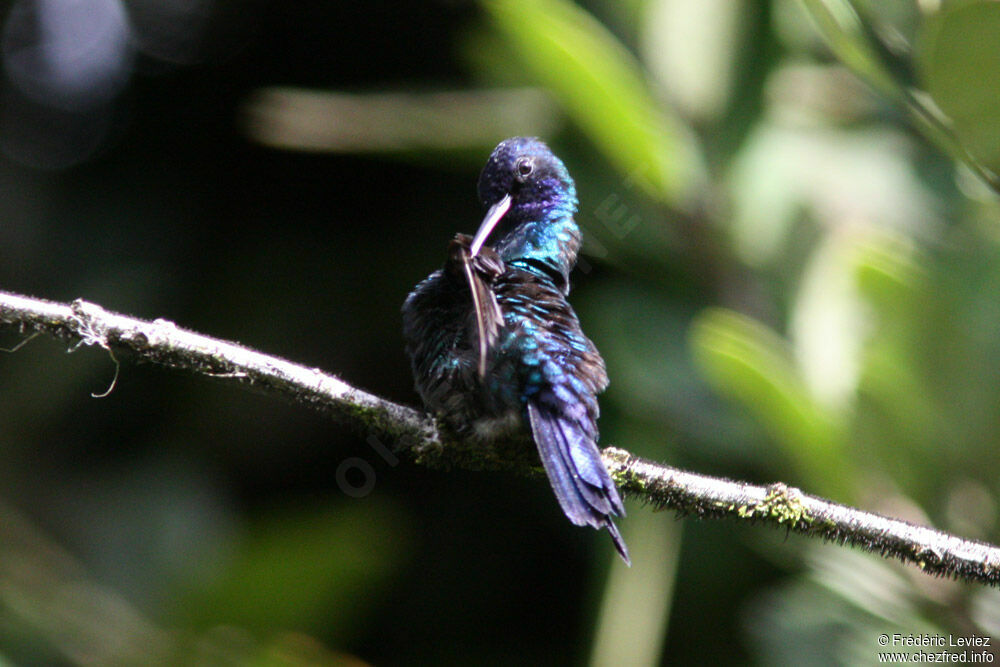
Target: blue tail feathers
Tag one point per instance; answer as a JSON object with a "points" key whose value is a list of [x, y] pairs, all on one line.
{"points": [[579, 479]]}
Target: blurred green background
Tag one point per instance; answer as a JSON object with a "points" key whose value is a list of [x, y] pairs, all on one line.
{"points": [[792, 267]]}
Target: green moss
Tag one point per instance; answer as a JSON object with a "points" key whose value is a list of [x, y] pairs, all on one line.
{"points": [[782, 504]]}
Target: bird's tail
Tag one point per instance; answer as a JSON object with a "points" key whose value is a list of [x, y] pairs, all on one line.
{"points": [[573, 464]]}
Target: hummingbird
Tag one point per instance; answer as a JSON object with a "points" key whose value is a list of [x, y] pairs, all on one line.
{"points": [[495, 347]]}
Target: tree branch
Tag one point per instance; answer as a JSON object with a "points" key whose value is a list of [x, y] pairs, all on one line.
{"points": [[933, 551], [416, 435], [163, 342]]}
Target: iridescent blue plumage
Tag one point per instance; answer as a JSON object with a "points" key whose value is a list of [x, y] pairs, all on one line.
{"points": [[495, 347]]}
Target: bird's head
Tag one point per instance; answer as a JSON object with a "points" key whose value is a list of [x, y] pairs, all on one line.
{"points": [[531, 200]]}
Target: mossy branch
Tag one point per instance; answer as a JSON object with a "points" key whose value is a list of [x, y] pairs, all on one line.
{"points": [[416, 435]]}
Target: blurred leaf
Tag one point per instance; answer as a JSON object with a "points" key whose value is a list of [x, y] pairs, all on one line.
{"points": [[669, 408], [834, 614], [958, 60], [395, 122], [229, 645], [827, 323], [299, 650], [603, 88], [984, 610], [898, 416], [690, 48], [786, 170], [859, 285], [895, 22], [751, 364], [955, 72], [632, 623], [956, 351], [301, 569], [844, 32], [888, 271]]}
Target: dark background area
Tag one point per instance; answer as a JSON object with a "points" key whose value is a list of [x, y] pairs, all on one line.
{"points": [[180, 520]]}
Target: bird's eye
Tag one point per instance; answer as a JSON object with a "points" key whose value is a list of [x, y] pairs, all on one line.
{"points": [[524, 167]]}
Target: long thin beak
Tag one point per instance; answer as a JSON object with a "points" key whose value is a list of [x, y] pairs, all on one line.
{"points": [[493, 216]]}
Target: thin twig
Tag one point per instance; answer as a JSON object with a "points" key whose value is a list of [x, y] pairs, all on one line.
{"points": [[417, 436]]}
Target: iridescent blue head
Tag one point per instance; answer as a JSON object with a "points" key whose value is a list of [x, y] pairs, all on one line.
{"points": [[531, 200]]}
